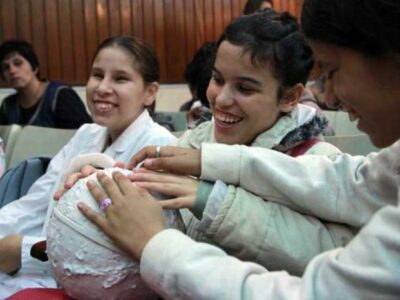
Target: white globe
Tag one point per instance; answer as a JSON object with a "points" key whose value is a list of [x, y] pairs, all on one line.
{"points": [[85, 262]]}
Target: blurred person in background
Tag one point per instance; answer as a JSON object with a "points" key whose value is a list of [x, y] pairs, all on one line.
{"points": [[36, 102]]}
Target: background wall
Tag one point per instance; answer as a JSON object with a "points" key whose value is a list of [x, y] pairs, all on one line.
{"points": [[65, 33]]}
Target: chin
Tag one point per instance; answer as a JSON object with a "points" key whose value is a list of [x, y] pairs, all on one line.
{"points": [[383, 141]]}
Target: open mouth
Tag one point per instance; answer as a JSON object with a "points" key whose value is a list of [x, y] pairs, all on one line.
{"points": [[103, 106], [227, 119]]}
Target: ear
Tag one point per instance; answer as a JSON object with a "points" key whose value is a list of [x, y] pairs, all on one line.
{"points": [[151, 92], [291, 98]]}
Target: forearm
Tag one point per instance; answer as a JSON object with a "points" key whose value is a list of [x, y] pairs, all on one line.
{"points": [[309, 184], [177, 267], [184, 269], [271, 234]]}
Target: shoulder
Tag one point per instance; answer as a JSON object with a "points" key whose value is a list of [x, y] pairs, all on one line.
{"points": [[89, 129], [324, 148], [203, 133], [9, 99], [157, 133], [63, 91]]}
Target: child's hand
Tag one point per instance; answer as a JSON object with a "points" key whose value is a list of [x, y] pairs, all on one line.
{"points": [[180, 190]]}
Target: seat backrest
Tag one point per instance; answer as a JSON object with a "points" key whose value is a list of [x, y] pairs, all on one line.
{"points": [[359, 144], [9, 134], [39, 141], [173, 121], [341, 123], [16, 182]]}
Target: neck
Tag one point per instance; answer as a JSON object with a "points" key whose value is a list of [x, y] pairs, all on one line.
{"points": [[30, 95]]}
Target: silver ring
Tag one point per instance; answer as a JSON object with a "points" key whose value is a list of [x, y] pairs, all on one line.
{"points": [[105, 203], [158, 151]]}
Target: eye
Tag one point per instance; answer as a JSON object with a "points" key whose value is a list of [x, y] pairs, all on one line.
{"points": [[245, 89], [217, 79], [121, 79], [97, 75], [17, 63]]}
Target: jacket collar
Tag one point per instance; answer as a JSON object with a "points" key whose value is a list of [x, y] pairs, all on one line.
{"points": [[271, 138], [132, 132]]}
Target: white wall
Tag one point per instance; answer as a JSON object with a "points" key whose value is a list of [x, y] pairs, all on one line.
{"points": [[169, 98]]}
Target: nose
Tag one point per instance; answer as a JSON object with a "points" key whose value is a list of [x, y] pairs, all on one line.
{"points": [[329, 95], [224, 96], [104, 86]]}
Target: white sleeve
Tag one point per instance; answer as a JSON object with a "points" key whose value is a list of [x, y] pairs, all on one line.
{"points": [[311, 184], [368, 268]]}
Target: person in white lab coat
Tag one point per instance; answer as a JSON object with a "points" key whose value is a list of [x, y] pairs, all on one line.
{"points": [[360, 54], [122, 83]]}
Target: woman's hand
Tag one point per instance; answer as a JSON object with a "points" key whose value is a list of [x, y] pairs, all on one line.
{"points": [[181, 190], [72, 179], [133, 217], [172, 159]]}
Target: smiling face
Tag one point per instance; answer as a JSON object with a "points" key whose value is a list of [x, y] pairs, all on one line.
{"points": [[116, 93], [367, 88], [17, 71], [243, 97]]}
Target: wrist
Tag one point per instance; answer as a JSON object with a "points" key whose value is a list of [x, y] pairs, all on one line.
{"points": [[203, 192], [136, 249]]}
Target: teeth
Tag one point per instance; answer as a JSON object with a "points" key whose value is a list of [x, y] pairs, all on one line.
{"points": [[227, 118], [103, 107]]}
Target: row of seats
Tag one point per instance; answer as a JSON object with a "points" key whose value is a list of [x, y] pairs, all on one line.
{"points": [[23, 142]]}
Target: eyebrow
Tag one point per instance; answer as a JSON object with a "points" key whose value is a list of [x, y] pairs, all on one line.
{"points": [[242, 78], [119, 72]]}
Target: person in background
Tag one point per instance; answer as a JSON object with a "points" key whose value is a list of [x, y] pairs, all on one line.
{"points": [[352, 189], [123, 82], [36, 102], [197, 75], [252, 6]]}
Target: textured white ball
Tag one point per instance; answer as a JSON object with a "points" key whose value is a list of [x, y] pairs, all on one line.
{"points": [[85, 262]]}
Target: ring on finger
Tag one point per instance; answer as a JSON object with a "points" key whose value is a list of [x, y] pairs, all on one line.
{"points": [[105, 203], [158, 151]]}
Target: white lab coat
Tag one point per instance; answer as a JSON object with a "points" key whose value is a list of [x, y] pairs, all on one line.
{"points": [[27, 215]]}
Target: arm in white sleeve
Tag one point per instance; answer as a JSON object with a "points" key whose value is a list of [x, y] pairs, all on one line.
{"points": [[368, 268], [268, 233], [348, 190]]}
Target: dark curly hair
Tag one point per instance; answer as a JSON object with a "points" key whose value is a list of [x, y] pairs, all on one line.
{"points": [[372, 30], [198, 71], [275, 39], [22, 48]]}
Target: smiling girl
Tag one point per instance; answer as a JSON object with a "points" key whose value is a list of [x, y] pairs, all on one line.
{"points": [[258, 77], [122, 83]]}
